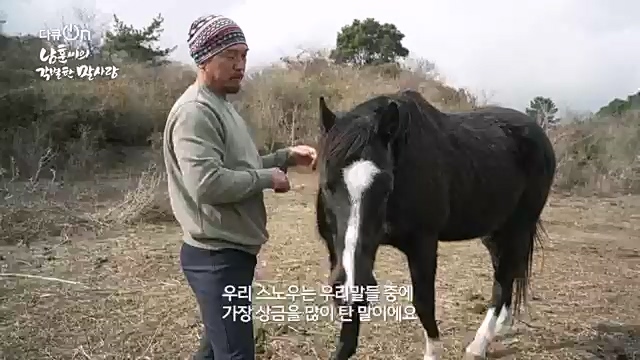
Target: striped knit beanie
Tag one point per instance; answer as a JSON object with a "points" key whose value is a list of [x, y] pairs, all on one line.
{"points": [[210, 35]]}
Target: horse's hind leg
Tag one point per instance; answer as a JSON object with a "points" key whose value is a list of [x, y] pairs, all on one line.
{"points": [[508, 260], [422, 259], [505, 270]]}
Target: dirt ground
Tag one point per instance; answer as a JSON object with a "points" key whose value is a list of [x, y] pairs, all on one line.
{"points": [[130, 301]]}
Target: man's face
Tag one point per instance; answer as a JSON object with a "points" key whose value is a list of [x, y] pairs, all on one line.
{"points": [[226, 69]]}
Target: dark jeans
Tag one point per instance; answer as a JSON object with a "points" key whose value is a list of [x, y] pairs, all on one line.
{"points": [[226, 337]]}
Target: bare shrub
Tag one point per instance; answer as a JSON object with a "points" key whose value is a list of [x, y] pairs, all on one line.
{"points": [[599, 156], [281, 101], [146, 201], [31, 209]]}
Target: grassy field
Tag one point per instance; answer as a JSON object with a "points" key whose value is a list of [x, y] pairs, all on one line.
{"points": [[125, 297]]}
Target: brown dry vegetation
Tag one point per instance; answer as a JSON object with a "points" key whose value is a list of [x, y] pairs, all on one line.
{"points": [[72, 208]]}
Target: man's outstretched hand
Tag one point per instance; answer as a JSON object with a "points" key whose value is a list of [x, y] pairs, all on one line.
{"points": [[303, 155]]}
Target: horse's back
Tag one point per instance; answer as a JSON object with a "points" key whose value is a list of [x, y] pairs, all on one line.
{"points": [[506, 114], [518, 145], [495, 155], [534, 146], [490, 115], [499, 124]]}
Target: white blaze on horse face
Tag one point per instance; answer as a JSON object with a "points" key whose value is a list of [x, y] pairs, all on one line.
{"points": [[358, 178], [490, 327]]}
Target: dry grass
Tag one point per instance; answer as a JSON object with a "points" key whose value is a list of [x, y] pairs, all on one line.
{"points": [[132, 302]]}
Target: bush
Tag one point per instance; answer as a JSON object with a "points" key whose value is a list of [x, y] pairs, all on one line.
{"points": [[599, 155], [56, 115], [281, 101]]}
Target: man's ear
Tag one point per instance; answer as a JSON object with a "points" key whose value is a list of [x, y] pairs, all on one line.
{"points": [[327, 117], [388, 122]]}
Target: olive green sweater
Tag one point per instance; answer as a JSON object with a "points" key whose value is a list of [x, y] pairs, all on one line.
{"points": [[215, 174]]}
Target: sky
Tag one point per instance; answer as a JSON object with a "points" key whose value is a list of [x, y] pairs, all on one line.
{"points": [[581, 53]]}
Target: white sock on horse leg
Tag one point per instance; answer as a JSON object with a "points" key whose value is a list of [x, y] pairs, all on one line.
{"points": [[485, 334], [432, 348], [503, 324]]}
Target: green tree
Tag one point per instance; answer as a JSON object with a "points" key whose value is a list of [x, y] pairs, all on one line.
{"points": [[138, 45], [618, 106], [544, 110], [369, 43]]}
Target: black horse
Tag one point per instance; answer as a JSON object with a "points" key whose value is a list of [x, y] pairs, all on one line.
{"points": [[397, 171]]}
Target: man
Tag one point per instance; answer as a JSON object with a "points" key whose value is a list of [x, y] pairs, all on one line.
{"points": [[216, 178]]}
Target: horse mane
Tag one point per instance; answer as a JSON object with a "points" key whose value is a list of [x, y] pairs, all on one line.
{"points": [[351, 132], [355, 129], [347, 137]]}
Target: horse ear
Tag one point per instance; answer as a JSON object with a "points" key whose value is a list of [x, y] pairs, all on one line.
{"points": [[389, 122], [327, 117]]}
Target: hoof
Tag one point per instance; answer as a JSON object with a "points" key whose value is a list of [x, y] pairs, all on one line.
{"points": [[339, 355], [469, 356]]}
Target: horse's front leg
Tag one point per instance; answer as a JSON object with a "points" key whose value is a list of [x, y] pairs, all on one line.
{"points": [[348, 340], [422, 265]]}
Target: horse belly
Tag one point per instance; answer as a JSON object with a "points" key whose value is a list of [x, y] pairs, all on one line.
{"points": [[479, 218], [460, 230]]}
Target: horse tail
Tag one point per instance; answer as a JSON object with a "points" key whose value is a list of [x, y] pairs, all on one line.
{"points": [[523, 281]]}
